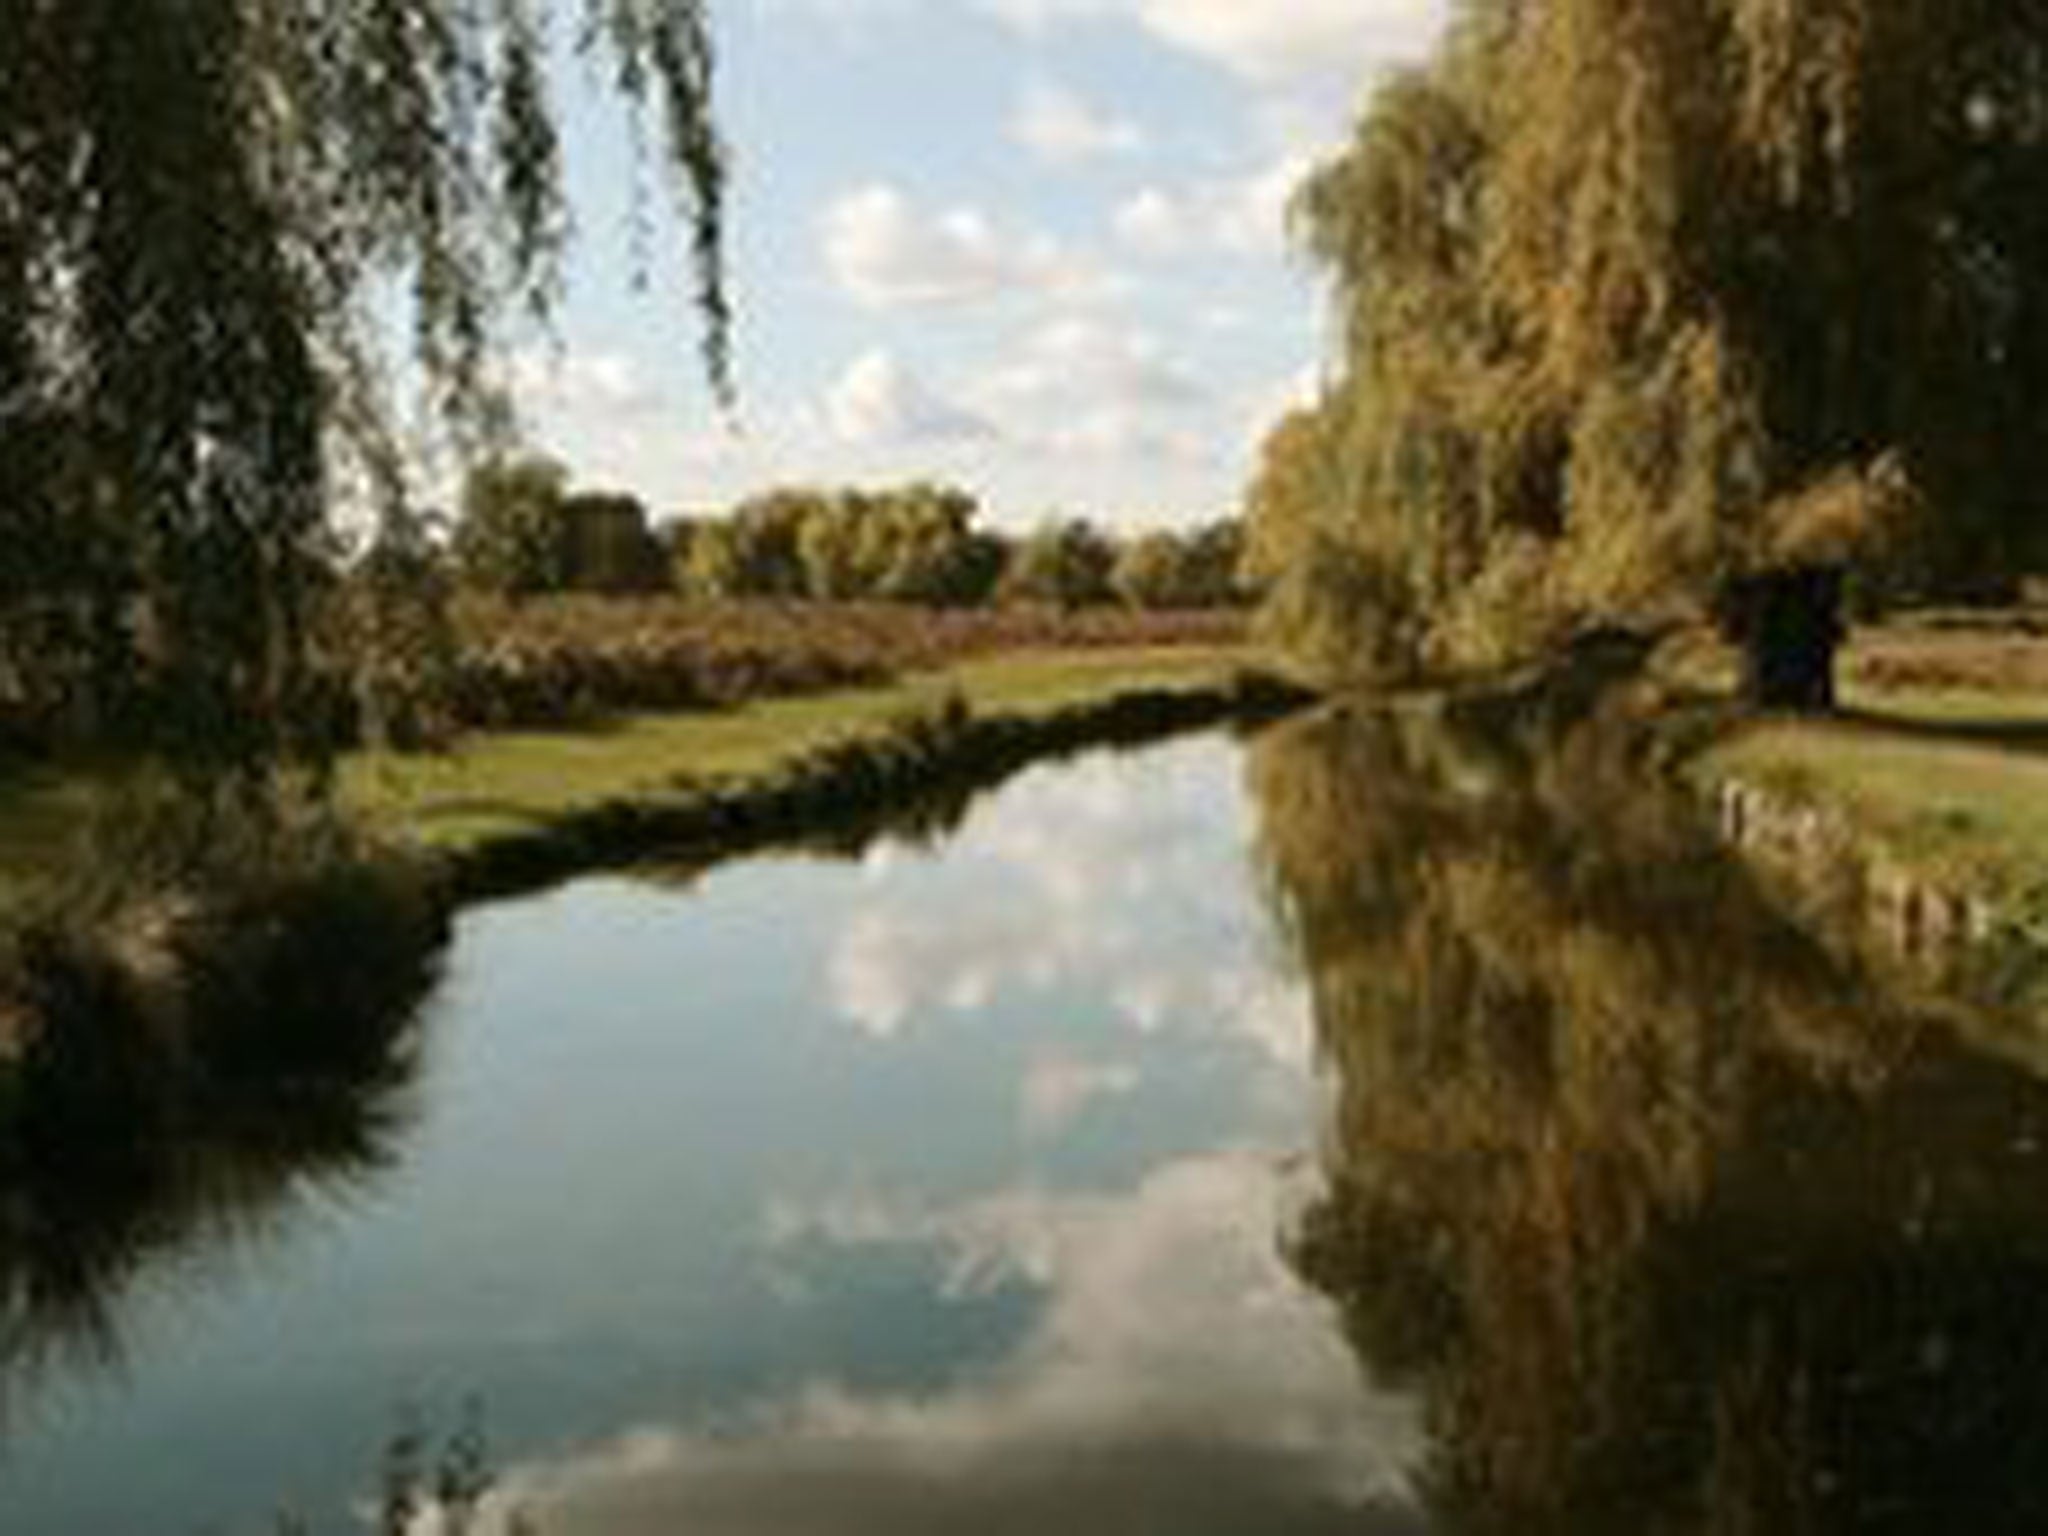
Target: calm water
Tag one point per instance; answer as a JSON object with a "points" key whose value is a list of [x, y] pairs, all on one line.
{"points": [[1365, 1131], [928, 1191]]}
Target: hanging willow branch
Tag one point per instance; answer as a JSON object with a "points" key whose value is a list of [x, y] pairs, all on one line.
{"points": [[200, 202], [1624, 281]]}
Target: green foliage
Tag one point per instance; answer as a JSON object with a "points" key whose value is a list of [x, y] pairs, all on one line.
{"points": [[522, 531], [201, 205], [607, 545], [1641, 294], [756, 551], [1064, 563], [918, 543], [572, 660], [1343, 613], [913, 544], [510, 537], [398, 641], [921, 547], [1147, 573], [707, 559], [1196, 569]]}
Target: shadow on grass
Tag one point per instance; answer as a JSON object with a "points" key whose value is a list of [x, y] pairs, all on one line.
{"points": [[2010, 734]]}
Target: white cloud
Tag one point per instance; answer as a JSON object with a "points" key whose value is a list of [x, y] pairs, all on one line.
{"points": [[1089, 386], [873, 976], [1175, 1365], [1244, 215], [878, 401], [854, 18], [1265, 40], [1120, 433], [886, 253], [1079, 361], [1060, 127], [1046, 890], [1264, 408], [578, 382], [1151, 222], [1268, 1013], [1269, 41], [1058, 1089], [1254, 214], [1036, 15], [1224, 317]]}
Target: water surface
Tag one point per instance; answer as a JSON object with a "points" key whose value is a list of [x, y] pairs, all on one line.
{"points": [[930, 1188], [1379, 1128]]}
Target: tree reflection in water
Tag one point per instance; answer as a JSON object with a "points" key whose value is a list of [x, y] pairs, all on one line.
{"points": [[1670, 1220], [129, 1138]]}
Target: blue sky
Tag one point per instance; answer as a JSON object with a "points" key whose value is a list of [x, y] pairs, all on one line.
{"points": [[1031, 246]]}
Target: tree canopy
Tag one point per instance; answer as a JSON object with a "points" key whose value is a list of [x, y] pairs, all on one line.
{"points": [[1641, 295], [1065, 562], [205, 209], [1197, 568]]}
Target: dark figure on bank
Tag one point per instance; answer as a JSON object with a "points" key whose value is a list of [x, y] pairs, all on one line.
{"points": [[1788, 624]]}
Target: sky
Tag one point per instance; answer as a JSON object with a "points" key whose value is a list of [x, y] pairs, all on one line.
{"points": [[1032, 247]]}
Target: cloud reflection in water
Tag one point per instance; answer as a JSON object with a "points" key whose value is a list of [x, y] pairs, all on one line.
{"points": [[1092, 881], [1177, 1377]]}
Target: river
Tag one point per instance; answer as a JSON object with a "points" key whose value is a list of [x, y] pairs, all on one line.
{"points": [[1358, 1131]]}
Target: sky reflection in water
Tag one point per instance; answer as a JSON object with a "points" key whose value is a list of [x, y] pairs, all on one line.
{"points": [[897, 1195], [978, 1190]]}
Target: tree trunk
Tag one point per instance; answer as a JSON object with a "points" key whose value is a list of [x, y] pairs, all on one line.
{"points": [[1788, 623]]}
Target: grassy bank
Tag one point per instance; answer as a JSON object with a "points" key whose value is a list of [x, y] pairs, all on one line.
{"points": [[698, 789], [495, 784], [510, 811], [1941, 792], [1939, 757], [561, 662], [500, 785], [1913, 825]]}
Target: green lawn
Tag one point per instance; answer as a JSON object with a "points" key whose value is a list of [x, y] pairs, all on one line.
{"points": [[1955, 780], [494, 782], [491, 783]]}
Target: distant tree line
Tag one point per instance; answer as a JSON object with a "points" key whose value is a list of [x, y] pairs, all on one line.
{"points": [[522, 531]]}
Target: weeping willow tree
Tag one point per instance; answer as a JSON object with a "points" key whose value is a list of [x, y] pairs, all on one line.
{"points": [[1649, 304], [209, 211]]}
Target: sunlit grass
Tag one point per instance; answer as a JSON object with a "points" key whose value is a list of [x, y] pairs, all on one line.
{"points": [[494, 783], [1973, 810], [1941, 756]]}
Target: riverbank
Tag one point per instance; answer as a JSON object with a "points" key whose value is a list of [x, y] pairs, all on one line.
{"points": [[567, 662], [501, 786], [507, 813], [1910, 827], [1914, 823], [524, 812]]}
